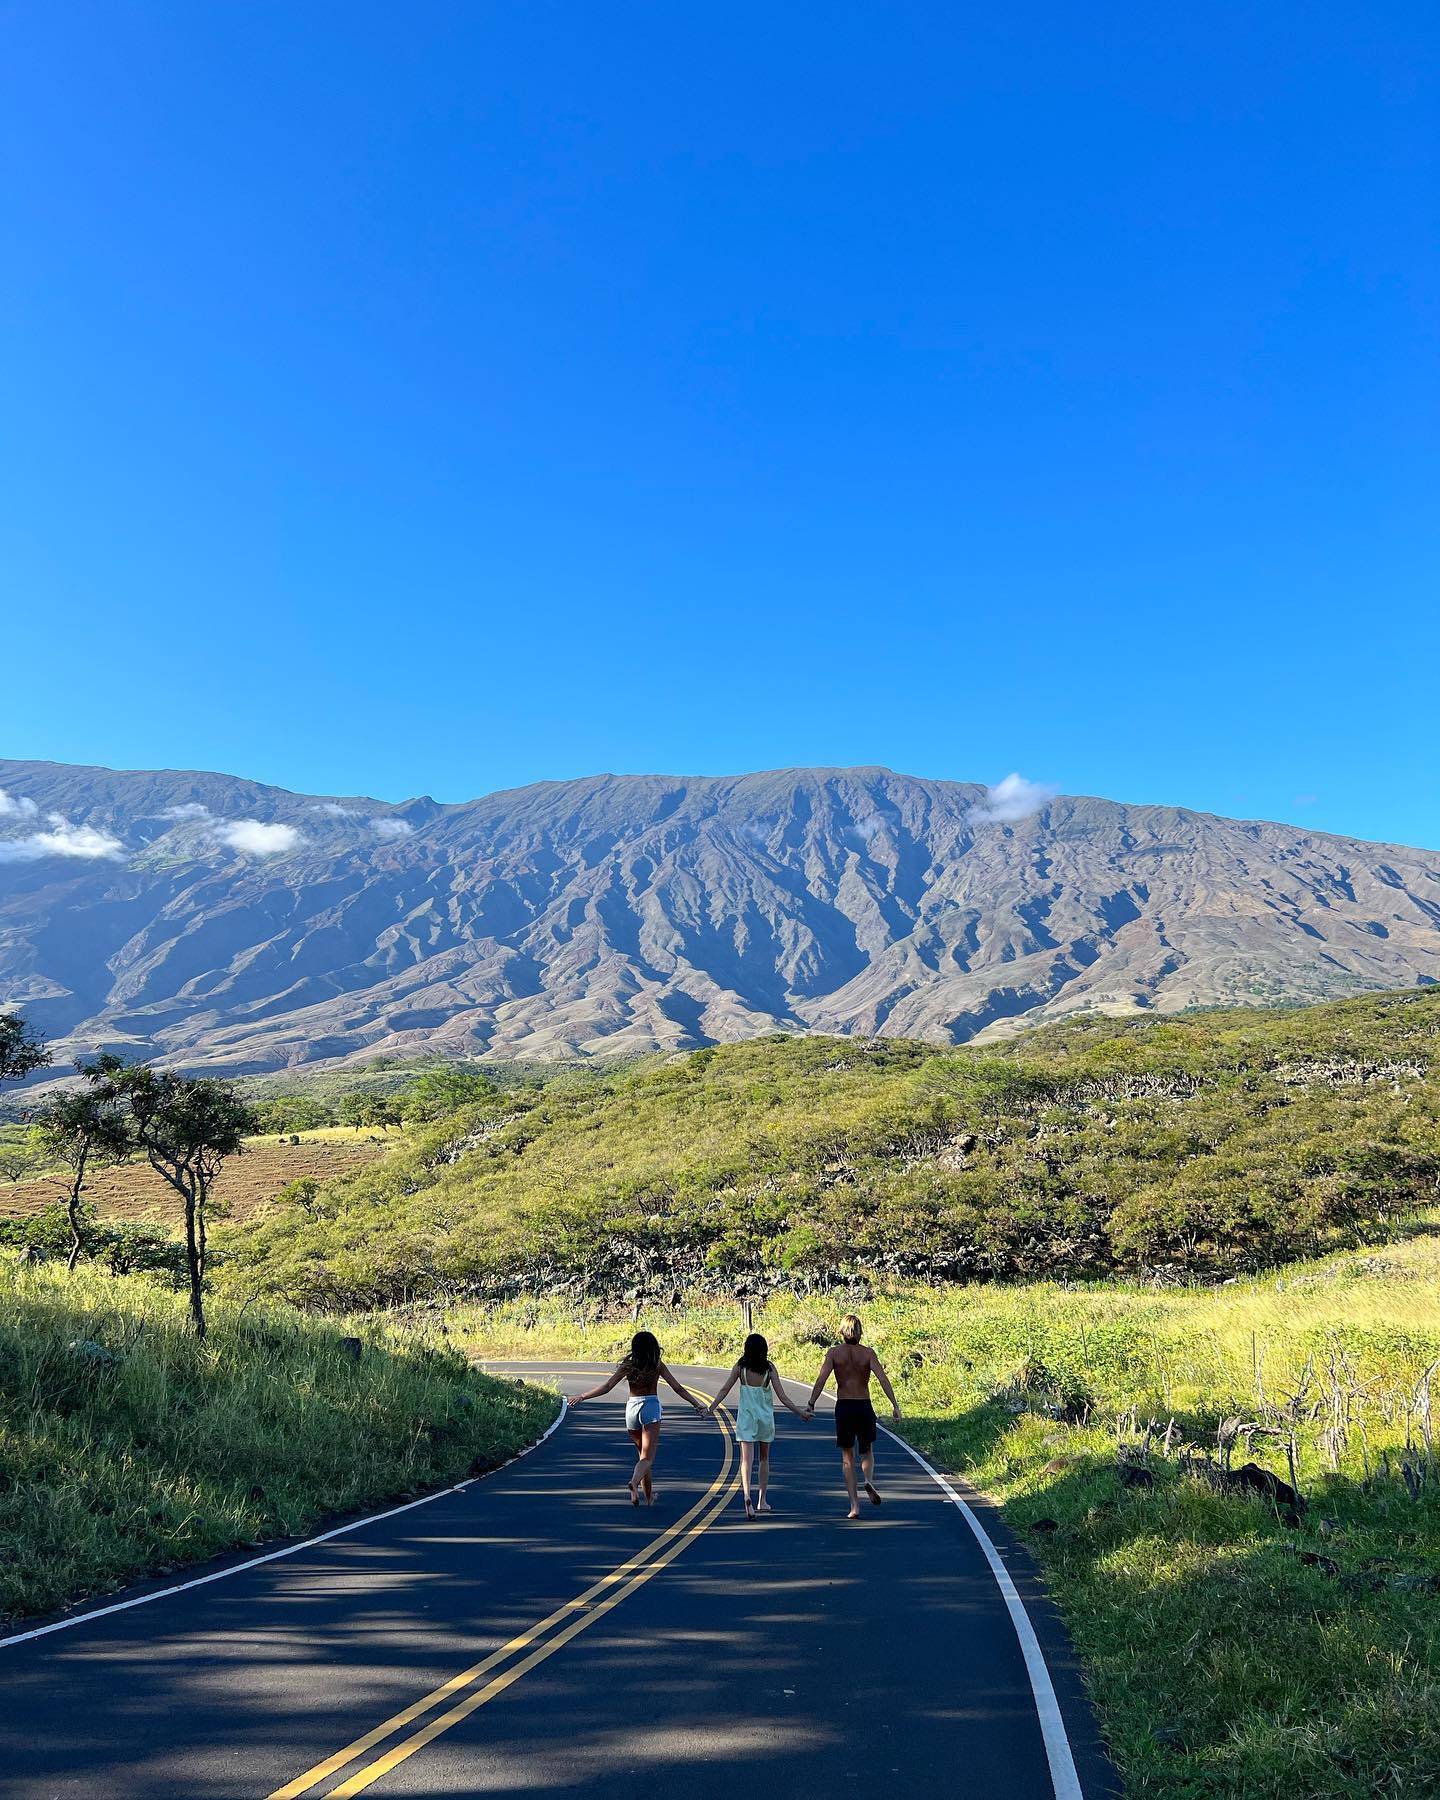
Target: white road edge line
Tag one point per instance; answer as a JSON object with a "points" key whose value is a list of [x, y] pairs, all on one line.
{"points": [[1063, 1775], [101, 1612]]}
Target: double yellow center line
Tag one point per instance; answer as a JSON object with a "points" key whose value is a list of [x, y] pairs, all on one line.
{"points": [[547, 1636]]}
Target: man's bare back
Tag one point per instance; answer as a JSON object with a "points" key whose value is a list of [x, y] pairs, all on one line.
{"points": [[852, 1365]]}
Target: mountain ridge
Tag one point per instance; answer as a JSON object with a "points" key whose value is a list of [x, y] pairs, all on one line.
{"points": [[215, 922], [820, 771]]}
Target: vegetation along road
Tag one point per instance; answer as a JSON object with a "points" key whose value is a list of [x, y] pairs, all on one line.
{"points": [[532, 1631]]}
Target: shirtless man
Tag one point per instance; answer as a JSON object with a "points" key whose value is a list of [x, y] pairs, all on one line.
{"points": [[852, 1364]]}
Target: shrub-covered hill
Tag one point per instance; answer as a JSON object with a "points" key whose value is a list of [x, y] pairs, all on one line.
{"points": [[1205, 1144]]}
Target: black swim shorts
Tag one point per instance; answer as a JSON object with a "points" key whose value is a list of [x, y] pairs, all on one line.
{"points": [[855, 1424]]}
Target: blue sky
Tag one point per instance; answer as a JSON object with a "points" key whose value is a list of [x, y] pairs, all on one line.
{"points": [[439, 398]]}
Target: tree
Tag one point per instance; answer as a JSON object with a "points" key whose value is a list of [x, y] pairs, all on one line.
{"points": [[21, 1050], [355, 1110], [82, 1130], [438, 1092], [186, 1126], [291, 1112], [368, 1109], [19, 1157]]}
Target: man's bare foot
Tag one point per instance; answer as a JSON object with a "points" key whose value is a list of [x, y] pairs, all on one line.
{"points": [[873, 1492], [854, 1513]]}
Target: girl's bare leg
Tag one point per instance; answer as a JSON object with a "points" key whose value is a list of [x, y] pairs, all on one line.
{"points": [[637, 1439], [649, 1444], [747, 1451], [764, 1478]]}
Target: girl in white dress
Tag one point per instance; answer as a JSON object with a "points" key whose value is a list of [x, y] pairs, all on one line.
{"points": [[760, 1383]]}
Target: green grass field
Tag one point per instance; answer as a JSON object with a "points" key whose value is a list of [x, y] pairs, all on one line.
{"points": [[126, 1446], [1230, 1653]]}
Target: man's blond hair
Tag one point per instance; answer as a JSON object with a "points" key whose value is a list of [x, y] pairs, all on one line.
{"points": [[850, 1329]]}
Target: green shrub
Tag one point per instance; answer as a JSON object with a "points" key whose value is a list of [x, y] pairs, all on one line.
{"points": [[120, 1245]]}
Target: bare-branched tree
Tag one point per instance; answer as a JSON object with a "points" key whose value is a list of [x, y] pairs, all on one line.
{"points": [[186, 1126], [82, 1130]]}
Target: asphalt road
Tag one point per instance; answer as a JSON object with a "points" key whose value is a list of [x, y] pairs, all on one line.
{"points": [[533, 1634]]}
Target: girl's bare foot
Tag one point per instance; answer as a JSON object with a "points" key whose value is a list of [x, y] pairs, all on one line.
{"points": [[634, 1496], [854, 1513], [765, 1505], [749, 1509]]}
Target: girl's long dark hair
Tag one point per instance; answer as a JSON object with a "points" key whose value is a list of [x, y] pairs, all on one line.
{"points": [[644, 1357], [756, 1354]]}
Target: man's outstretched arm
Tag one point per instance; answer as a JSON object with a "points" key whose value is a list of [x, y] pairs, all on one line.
{"points": [[878, 1368], [825, 1369]]}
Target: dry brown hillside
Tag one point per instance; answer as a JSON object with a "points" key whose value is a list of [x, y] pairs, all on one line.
{"points": [[135, 1191]]}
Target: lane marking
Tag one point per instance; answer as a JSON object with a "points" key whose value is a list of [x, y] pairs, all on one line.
{"points": [[585, 1603], [393, 1758], [1063, 1775], [254, 1562]]}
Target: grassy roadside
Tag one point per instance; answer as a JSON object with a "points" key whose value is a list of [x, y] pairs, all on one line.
{"points": [[1231, 1653], [128, 1447]]}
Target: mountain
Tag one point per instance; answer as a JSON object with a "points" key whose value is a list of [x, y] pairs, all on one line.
{"points": [[218, 923]]}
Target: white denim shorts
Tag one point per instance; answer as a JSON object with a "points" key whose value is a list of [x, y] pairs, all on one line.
{"points": [[642, 1409]]}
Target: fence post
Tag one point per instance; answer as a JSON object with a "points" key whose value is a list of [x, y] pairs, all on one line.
{"points": [[746, 1315]]}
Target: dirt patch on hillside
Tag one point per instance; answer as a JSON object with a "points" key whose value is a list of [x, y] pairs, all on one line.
{"points": [[135, 1191]]}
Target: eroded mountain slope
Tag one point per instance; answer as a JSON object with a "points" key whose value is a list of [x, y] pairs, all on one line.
{"points": [[217, 922]]}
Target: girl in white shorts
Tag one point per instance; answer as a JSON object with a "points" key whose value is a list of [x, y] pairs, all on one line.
{"points": [[644, 1369]]}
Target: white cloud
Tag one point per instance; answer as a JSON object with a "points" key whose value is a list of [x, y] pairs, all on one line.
{"points": [[1010, 800], [62, 839], [253, 838], [189, 809], [382, 827], [16, 806]]}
